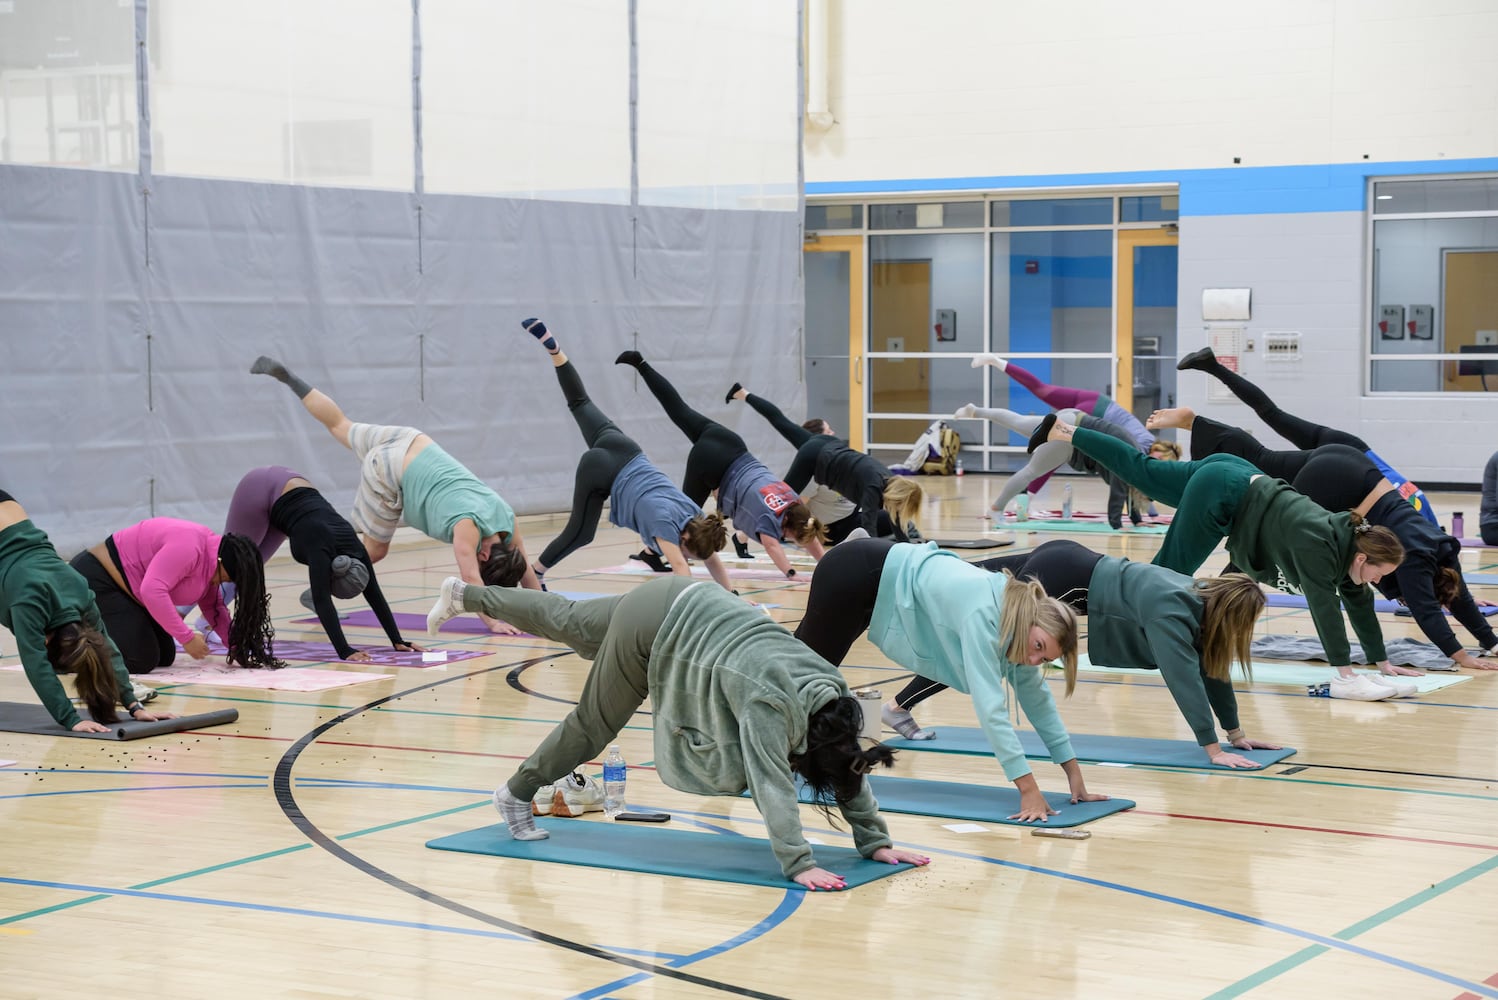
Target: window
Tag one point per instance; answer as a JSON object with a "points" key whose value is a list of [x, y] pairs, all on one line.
{"points": [[1434, 309]]}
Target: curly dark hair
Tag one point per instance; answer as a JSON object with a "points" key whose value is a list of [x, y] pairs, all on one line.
{"points": [[834, 762], [251, 638]]}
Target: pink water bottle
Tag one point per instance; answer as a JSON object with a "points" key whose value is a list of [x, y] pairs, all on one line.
{"points": [[1458, 525]]}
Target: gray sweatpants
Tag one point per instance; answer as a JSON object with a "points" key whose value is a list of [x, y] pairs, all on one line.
{"points": [[616, 633]]}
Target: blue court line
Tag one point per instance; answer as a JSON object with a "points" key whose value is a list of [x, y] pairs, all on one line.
{"points": [[133, 788], [106, 891], [1325, 942]]}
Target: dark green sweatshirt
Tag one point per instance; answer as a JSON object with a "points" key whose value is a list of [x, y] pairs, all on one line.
{"points": [[1142, 615], [38, 593], [1285, 539]]}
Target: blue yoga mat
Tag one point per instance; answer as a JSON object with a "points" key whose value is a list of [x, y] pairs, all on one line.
{"points": [[658, 850], [1388, 607], [987, 803], [1105, 749]]}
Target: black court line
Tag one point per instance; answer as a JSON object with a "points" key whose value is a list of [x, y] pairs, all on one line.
{"points": [[286, 798], [513, 679], [1402, 774]]}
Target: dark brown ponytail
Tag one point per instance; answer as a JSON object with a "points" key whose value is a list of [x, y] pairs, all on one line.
{"points": [[82, 651]]}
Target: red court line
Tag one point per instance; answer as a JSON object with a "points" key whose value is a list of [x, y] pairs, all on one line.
{"points": [[1319, 829], [389, 746], [1490, 981]]}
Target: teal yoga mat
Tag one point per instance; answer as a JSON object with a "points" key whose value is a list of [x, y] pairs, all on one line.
{"points": [[1082, 527], [1104, 749], [985, 803], [661, 850]]}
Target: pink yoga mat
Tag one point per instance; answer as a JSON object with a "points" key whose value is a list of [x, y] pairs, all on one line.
{"points": [[323, 652]]}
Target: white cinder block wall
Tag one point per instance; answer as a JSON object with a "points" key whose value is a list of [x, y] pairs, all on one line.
{"points": [[1312, 97]]}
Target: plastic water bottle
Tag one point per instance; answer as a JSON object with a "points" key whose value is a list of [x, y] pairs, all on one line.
{"points": [[614, 774], [1066, 504], [1458, 525], [959, 466]]}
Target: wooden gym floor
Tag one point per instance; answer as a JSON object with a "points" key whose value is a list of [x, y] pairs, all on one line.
{"points": [[283, 856]]}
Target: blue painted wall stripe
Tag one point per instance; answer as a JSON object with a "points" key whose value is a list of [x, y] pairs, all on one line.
{"points": [[1324, 187]]}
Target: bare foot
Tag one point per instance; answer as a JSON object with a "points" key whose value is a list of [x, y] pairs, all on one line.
{"points": [[1180, 417]]}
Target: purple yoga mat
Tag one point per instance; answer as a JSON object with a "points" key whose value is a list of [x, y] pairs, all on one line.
{"points": [[1477, 543], [408, 622], [1388, 607]]}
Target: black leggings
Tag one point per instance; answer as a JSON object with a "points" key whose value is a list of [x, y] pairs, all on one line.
{"points": [[143, 643], [1062, 567], [1337, 476], [609, 450], [714, 447], [791, 431], [843, 592], [1299, 432]]}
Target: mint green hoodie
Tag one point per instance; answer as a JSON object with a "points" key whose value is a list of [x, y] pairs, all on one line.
{"points": [[732, 692], [939, 616]]}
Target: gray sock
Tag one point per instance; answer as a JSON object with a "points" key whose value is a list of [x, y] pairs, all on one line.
{"points": [[270, 366], [517, 815]]}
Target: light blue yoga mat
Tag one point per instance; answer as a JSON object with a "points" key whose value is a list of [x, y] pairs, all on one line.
{"points": [[660, 850], [1081, 527], [1388, 607], [1102, 749], [1289, 673], [985, 803]]}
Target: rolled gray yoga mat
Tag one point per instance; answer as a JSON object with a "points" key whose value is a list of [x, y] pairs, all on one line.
{"points": [[1406, 652], [16, 717]]}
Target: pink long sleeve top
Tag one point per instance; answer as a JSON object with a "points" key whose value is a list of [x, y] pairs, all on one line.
{"points": [[168, 562]]}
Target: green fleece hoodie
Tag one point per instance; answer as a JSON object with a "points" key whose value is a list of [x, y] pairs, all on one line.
{"points": [[38, 593], [1142, 615], [1285, 539], [732, 692]]}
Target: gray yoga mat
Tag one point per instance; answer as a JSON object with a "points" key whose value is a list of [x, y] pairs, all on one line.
{"points": [[1406, 652], [16, 717]]}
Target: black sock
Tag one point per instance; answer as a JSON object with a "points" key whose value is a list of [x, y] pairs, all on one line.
{"points": [[1042, 432], [632, 358], [270, 366], [741, 549], [729, 398]]}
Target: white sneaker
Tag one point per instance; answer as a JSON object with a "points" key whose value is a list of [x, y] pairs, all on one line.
{"points": [[577, 794], [449, 604], [1359, 687], [143, 694], [541, 801], [1401, 687]]}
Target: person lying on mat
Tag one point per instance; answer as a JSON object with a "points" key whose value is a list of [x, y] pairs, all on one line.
{"points": [[948, 620], [1151, 618], [1298, 431], [272, 504], [51, 611], [142, 574], [1053, 455], [1341, 477], [1275, 535], [614, 468], [885, 502], [749, 495], [738, 703], [404, 474], [836, 512]]}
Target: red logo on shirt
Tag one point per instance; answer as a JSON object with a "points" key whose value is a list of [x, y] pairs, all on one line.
{"points": [[778, 497]]}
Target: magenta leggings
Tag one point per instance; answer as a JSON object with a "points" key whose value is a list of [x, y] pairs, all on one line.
{"points": [[249, 511], [1057, 397]]}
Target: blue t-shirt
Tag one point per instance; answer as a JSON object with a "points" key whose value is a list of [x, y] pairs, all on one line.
{"points": [[438, 492], [753, 498], [644, 500]]}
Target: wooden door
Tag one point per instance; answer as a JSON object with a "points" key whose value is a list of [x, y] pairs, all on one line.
{"points": [[1469, 301], [900, 321]]}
